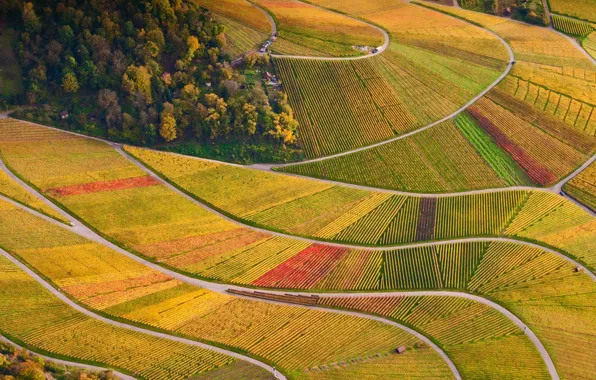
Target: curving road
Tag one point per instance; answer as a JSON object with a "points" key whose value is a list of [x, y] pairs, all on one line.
{"points": [[91, 314], [69, 364]]}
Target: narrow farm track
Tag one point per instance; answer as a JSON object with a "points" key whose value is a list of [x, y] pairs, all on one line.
{"points": [[224, 288], [91, 314], [70, 364]]}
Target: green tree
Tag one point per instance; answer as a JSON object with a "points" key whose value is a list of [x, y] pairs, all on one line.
{"points": [[138, 79], [70, 84]]}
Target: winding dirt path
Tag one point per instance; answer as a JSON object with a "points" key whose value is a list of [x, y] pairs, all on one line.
{"points": [[68, 363]]}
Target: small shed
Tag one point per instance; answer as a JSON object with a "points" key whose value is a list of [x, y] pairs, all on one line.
{"points": [[400, 350]]}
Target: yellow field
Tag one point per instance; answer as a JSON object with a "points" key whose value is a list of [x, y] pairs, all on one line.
{"points": [[293, 338], [239, 10], [13, 190], [582, 9], [318, 29]]}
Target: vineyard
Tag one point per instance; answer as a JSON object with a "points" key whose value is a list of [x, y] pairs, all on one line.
{"points": [[581, 9], [583, 186], [106, 280], [420, 239], [336, 213], [344, 105], [464, 328], [45, 323], [240, 11], [571, 26], [13, 190], [440, 159], [328, 33], [240, 38]]}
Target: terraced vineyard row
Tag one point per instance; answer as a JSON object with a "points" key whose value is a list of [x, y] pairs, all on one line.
{"points": [[544, 290], [44, 323], [439, 159], [580, 9], [583, 186], [541, 116], [13, 190], [105, 280], [464, 328], [571, 26], [373, 218]]}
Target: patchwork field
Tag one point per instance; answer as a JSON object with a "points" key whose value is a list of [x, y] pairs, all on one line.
{"points": [[355, 216], [46, 324], [433, 65], [290, 337]]}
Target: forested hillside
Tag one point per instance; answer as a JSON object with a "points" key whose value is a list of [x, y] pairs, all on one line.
{"points": [[145, 72]]}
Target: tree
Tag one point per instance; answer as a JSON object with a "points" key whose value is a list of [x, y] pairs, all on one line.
{"points": [[30, 19], [108, 101], [70, 84], [138, 79], [221, 40], [193, 45], [167, 129], [250, 60]]}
